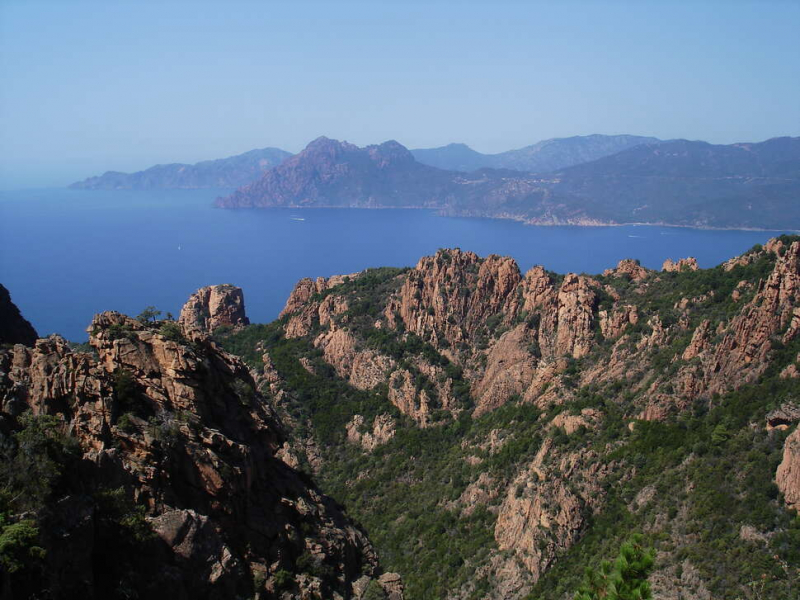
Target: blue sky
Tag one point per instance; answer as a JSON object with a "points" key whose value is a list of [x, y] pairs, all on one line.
{"points": [[88, 86]]}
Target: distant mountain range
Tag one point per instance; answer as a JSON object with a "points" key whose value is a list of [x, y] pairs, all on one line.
{"points": [[582, 180], [239, 170], [548, 155], [228, 172], [676, 182]]}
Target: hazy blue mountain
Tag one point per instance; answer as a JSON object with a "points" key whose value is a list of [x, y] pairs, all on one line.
{"points": [[753, 185], [548, 155], [453, 157], [691, 183], [333, 173], [233, 171]]}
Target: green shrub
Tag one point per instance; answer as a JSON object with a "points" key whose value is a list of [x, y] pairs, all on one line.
{"points": [[18, 544], [172, 331], [374, 591], [625, 579]]}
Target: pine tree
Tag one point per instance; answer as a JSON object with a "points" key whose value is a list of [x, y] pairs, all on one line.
{"points": [[625, 579]]}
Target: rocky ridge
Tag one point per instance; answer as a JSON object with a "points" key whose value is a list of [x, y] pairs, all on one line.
{"points": [[656, 343], [514, 335]]}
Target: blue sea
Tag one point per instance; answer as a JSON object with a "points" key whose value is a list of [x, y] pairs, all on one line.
{"points": [[68, 254]]}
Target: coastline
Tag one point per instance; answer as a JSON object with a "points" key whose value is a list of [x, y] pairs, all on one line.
{"points": [[444, 212]]}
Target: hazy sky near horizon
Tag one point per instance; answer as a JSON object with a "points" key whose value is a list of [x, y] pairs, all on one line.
{"points": [[88, 86]]}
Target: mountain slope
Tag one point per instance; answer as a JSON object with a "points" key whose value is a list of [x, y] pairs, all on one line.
{"points": [[228, 172], [691, 183], [498, 432], [676, 183], [542, 157], [453, 157]]}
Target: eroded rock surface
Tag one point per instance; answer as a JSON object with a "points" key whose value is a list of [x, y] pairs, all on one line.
{"points": [[788, 474], [214, 306], [182, 430]]}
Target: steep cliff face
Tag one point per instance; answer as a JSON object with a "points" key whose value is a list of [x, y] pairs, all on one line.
{"points": [[771, 317], [14, 328], [451, 295], [214, 306], [181, 431]]}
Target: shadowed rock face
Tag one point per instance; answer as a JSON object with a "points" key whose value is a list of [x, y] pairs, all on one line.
{"points": [[181, 429], [14, 329]]}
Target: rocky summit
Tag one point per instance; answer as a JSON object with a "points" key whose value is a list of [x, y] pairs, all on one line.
{"points": [[493, 433], [212, 307]]}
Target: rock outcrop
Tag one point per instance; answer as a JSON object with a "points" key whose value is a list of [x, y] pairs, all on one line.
{"points": [[182, 431], [628, 268], [542, 515], [450, 296], [214, 306], [303, 312], [741, 355], [682, 264], [788, 475], [514, 335], [383, 429], [784, 417], [364, 369], [14, 328]]}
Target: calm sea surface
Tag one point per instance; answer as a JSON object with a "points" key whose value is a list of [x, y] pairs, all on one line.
{"points": [[65, 255]]}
